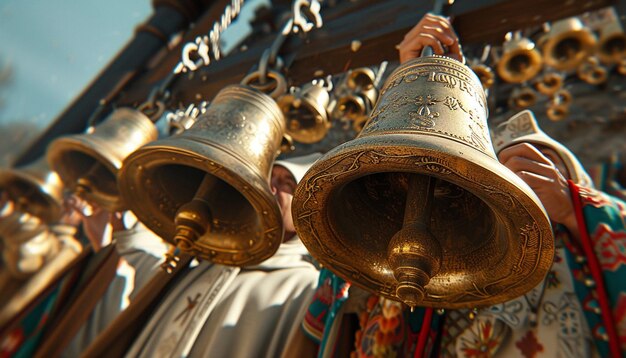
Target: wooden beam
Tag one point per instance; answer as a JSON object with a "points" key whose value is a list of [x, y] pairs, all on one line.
{"points": [[377, 28]]}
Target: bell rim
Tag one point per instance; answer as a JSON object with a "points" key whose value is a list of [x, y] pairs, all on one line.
{"points": [[304, 215], [588, 40], [92, 147], [162, 152], [536, 58]]}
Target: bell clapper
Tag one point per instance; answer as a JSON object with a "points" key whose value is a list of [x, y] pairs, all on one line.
{"points": [[87, 182], [171, 260], [414, 254], [194, 218]]}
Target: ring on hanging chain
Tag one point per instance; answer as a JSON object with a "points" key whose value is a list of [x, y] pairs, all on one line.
{"points": [[274, 89], [154, 110]]}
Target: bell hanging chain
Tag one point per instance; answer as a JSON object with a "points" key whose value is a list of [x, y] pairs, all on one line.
{"points": [[305, 16], [202, 45]]}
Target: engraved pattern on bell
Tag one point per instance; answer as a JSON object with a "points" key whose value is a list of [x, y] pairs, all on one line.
{"points": [[433, 108], [224, 160], [495, 238]]}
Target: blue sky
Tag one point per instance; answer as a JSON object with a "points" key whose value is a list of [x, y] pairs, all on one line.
{"points": [[55, 48]]}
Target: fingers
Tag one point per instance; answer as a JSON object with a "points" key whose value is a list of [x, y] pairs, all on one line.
{"points": [[524, 150], [434, 31], [521, 164], [533, 180]]}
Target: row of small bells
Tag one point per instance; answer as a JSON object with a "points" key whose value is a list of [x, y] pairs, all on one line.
{"points": [[417, 208], [567, 48]]}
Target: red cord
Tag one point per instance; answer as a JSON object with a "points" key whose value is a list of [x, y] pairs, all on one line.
{"points": [[424, 333], [596, 271]]}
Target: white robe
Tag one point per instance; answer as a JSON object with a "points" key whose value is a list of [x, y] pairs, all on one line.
{"points": [[256, 309], [142, 251]]}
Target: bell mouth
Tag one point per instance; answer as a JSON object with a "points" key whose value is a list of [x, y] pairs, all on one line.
{"points": [[306, 122], [520, 65], [568, 50], [375, 203], [495, 237], [613, 49], [233, 215], [159, 178], [85, 169]]}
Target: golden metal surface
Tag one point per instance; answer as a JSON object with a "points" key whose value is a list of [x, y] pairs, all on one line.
{"points": [[567, 44], [34, 189], [207, 189], [557, 112], [485, 74], [88, 164], [592, 72], [612, 43], [549, 83], [495, 238], [520, 61], [356, 95], [305, 113], [523, 97]]}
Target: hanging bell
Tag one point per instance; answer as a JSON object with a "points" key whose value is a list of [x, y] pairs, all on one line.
{"points": [[34, 189], [567, 44], [592, 72], [612, 43], [357, 94], [305, 111], [485, 74], [523, 97], [417, 208], [182, 120], [88, 164], [207, 189], [520, 60], [549, 83], [557, 112], [621, 67]]}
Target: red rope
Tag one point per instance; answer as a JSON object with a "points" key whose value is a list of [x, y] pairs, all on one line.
{"points": [[596, 271], [424, 333]]}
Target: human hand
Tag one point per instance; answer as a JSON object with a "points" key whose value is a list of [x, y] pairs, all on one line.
{"points": [[543, 176], [434, 31]]}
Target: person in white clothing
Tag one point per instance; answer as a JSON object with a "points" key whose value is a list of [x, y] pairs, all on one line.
{"points": [[221, 311]]}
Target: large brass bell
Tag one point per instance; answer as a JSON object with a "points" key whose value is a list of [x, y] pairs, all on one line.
{"points": [[520, 60], [612, 43], [305, 111], [567, 44], [417, 208], [207, 189], [34, 189], [88, 164]]}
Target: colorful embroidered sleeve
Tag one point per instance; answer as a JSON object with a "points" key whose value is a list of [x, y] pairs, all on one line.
{"points": [[331, 292], [602, 221]]}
